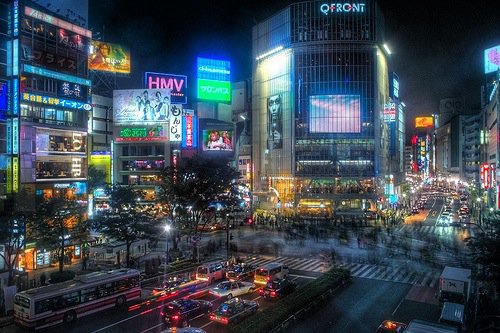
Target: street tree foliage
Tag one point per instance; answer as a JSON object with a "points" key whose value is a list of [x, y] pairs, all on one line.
{"points": [[56, 222], [12, 226], [96, 178], [127, 220], [485, 250], [192, 186]]}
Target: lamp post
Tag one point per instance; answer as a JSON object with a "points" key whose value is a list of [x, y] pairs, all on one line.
{"points": [[167, 233], [479, 210]]}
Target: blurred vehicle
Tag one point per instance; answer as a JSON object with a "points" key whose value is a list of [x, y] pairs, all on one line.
{"points": [[184, 330], [232, 289], [178, 287], [389, 326], [241, 272], [211, 272], [278, 288], [233, 310], [180, 312], [270, 272]]}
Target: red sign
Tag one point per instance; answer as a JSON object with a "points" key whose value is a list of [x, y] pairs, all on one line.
{"points": [[189, 131]]}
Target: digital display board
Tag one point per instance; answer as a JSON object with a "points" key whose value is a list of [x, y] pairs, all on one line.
{"points": [[108, 57], [102, 161], [176, 83], [334, 114], [424, 122], [139, 106], [491, 59], [217, 140], [129, 134], [214, 79], [54, 101]]}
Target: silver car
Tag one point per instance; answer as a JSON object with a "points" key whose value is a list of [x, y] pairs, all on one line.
{"points": [[232, 289]]}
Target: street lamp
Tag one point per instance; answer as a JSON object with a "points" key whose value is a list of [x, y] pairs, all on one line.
{"points": [[167, 233], [479, 211]]}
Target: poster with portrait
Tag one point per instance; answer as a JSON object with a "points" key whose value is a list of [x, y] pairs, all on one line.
{"points": [[274, 122], [108, 57], [139, 106]]}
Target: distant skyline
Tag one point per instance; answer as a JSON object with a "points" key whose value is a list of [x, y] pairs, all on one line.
{"points": [[437, 46]]}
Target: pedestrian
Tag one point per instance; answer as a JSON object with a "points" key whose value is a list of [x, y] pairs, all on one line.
{"points": [[42, 279]]}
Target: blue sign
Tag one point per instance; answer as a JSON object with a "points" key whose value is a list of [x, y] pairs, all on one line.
{"points": [[56, 101], [55, 75], [15, 96], [213, 69]]}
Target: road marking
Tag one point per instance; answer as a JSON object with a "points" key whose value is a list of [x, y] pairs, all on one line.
{"points": [[124, 320], [303, 276]]}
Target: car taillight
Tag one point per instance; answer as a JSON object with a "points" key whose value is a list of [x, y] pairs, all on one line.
{"points": [[273, 293], [268, 278], [175, 317], [162, 314], [261, 291], [212, 316], [225, 320]]}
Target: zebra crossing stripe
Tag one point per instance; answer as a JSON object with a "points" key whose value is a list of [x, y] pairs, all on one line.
{"points": [[361, 271]]}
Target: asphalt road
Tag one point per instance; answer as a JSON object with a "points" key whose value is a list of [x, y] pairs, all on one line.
{"points": [[359, 308]]}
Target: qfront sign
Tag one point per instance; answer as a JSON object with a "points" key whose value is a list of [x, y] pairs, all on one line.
{"points": [[345, 7]]}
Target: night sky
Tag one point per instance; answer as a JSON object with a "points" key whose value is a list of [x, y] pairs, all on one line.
{"points": [[437, 45]]}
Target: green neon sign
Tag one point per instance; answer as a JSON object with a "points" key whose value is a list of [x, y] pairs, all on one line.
{"points": [[214, 90]]}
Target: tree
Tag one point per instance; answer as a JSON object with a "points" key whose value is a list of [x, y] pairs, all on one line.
{"points": [[56, 221], [127, 219], [485, 250], [12, 226], [96, 178], [196, 183]]}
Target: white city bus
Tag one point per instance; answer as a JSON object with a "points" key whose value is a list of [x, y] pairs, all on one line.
{"points": [[63, 302]]}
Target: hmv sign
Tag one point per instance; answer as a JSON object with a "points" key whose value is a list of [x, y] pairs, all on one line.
{"points": [[178, 84]]}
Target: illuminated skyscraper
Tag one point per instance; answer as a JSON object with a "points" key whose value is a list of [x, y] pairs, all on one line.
{"points": [[321, 144]]}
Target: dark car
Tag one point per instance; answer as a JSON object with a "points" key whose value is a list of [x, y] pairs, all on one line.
{"points": [[241, 272], [278, 288], [389, 326], [234, 310], [180, 312]]}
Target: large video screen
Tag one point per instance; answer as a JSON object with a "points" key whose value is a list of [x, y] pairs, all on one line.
{"points": [[491, 59], [139, 106], [334, 114], [217, 140], [109, 57]]}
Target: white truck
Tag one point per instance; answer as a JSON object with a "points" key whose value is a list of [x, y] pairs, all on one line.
{"points": [[421, 326], [454, 285]]}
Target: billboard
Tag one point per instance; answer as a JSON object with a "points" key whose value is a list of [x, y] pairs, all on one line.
{"points": [[214, 80], [217, 140], [108, 57], [176, 83], [424, 122], [389, 112], [54, 101], [175, 125], [334, 114], [60, 142], [491, 59], [102, 161], [139, 106], [274, 122]]}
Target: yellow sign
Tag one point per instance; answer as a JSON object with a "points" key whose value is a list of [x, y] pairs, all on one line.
{"points": [[424, 122], [15, 174]]}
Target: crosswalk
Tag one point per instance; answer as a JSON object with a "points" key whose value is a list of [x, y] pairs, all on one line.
{"points": [[377, 272]]}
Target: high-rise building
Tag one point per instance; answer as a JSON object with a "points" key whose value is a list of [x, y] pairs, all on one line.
{"points": [[44, 146], [320, 85]]}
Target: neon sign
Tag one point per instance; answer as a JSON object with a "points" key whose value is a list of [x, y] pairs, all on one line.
{"points": [[15, 174], [56, 101], [177, 83], [214, 90], [15, 10], [189, 130], [141, 134], [175, 123], [342, 8], [390, 112]]}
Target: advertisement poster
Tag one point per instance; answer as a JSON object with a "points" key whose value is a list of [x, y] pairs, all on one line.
{"points": [[109, 57], [334, 114], [139, 106]]}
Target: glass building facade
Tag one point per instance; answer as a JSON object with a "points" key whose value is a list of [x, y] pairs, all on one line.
{"points": [[320, 83]]}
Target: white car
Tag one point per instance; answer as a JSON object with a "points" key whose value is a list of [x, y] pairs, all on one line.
{"points": [[232, 289]]}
